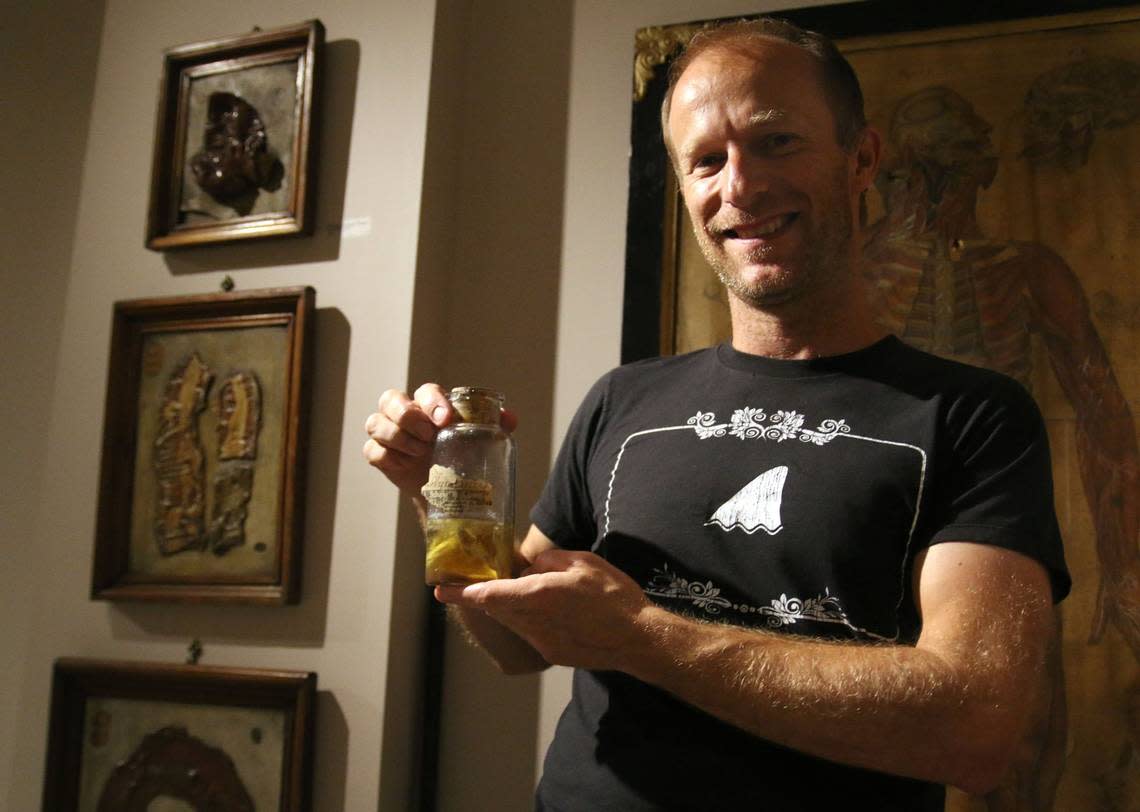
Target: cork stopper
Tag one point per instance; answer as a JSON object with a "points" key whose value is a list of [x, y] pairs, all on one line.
{"points": [[475, 404]]}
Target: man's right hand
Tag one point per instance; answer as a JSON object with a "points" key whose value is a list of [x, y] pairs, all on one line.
{"points": [[402, 430], [401, 433]]}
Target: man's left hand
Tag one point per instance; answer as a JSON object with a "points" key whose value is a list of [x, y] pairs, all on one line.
{"points": [[575, 608]]}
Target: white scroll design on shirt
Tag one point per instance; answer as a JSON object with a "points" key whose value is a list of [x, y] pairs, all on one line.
{"points": [[780, 612], [750, 423]]}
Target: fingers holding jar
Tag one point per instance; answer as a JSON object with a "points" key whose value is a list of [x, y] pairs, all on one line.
{"points": [[402, 430], [401, 433]]}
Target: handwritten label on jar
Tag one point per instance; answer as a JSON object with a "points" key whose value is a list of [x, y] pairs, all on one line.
{"points": [[452, 494]]}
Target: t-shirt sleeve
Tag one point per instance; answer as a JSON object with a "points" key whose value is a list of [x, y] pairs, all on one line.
{"points": [[565, 510], [997, 487]]}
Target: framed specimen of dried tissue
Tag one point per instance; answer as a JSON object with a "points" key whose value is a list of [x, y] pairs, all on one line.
{"points": [[234, 149], [201, 494], [131, 735]]}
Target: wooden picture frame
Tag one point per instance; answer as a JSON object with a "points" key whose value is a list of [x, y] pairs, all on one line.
{"points": [[201, 493], [124, 733], [1001, 231], [235, 139]]}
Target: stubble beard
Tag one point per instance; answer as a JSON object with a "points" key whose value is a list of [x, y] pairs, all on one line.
{"points": [[825, 255]]}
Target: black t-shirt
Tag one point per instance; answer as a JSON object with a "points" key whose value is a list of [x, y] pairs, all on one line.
{"points": [[786, 495]]}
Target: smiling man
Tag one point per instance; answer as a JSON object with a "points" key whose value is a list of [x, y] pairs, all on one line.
{"points": [[772, 179], [809, 566], [764, 178]]}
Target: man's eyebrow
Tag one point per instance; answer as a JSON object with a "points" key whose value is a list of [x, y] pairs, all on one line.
{"points": [[766, 117], [759, 118]]}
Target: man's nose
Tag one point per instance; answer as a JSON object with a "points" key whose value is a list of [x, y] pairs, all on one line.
{"points": [[744, 180]]}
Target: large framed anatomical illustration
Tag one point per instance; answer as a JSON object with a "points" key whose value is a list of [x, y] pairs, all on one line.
{"points": [[131, 735], [1002, 230], [202, 481]]}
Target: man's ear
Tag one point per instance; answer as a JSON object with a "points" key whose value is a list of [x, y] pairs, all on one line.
{"points": [[865, 159]]}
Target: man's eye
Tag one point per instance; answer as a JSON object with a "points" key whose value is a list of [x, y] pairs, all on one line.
{"points": [[706, 161], [777, 142]]}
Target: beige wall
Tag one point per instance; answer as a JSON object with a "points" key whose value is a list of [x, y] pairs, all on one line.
{"points": [[508, 84], [84, 249], [484, 148], [47, 67]]}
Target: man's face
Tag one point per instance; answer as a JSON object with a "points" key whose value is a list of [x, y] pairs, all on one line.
{"points": [[772, 195]]}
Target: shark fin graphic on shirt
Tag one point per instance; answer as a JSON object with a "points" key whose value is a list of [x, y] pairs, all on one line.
{"points": [[755, 506]]}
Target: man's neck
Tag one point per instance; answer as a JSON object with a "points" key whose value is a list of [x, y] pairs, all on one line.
{"points": [[790, 332]]}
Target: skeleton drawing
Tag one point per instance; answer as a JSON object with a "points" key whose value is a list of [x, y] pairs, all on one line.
{"points": [[940, 282]]}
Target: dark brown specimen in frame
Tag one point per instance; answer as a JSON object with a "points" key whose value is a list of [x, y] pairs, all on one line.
{"points": [[235, 160], [230, 162], [170, 763]]}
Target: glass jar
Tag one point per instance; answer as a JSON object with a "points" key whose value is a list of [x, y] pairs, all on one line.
{"points": [[470, 493]]}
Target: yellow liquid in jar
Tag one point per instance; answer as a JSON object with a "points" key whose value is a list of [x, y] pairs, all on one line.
{"points": [[467, 550]]}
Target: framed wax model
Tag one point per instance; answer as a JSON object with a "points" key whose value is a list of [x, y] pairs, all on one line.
{"points": [[201, 495], [1002, 231], [128, 735], [235, 146]]}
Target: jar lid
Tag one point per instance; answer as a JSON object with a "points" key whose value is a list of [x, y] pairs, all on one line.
{"points": [[476, 404]]}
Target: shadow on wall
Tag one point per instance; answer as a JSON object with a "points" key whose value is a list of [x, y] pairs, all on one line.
{"points": [[485, 313], [302, 625], [334, 111], [330, 760], [49, 55]]}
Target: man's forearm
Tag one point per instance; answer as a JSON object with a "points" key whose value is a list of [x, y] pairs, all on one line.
{"points": [[951, 709], [891, 708], [511, 653]]}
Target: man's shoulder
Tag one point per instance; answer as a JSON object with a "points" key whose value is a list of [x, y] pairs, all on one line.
{"points": [[662, 368], [634, 384], [927, 375], [666, 363]]}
